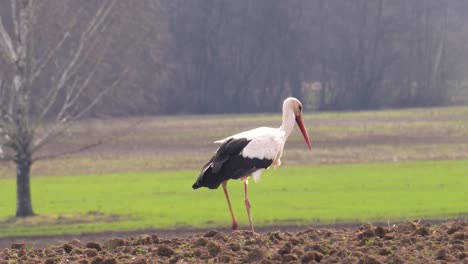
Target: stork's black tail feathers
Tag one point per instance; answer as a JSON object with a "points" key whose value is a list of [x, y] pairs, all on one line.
{"points": [[212, 174], [195, 185]]}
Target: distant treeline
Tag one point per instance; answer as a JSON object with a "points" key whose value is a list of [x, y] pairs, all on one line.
{"points": [[205, 56]]}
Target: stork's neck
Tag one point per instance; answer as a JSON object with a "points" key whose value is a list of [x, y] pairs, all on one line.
{"points": [[288, 121]]}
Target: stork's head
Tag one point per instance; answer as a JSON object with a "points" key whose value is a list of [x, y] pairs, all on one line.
{"points": [[295, 105]]}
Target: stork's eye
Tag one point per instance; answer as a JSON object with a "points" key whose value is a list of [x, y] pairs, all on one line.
{"points": [[300, 108]]}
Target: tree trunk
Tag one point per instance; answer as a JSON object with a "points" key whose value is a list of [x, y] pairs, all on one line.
{"points": [[23, 189]]}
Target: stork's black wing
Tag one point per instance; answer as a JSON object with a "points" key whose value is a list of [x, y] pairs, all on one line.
{"points": [[228, 163]]}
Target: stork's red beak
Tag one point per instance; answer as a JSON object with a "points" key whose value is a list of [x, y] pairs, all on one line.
{"points": [[300, 123]]}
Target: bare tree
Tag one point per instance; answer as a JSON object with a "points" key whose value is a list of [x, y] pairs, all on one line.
{"points": [[42, 83]]}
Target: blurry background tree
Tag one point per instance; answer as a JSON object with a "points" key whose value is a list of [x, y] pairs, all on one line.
{"points": [[57, 64], [246, 56]]}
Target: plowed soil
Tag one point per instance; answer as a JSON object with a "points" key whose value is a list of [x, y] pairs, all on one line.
{"points": [[408, 242]]}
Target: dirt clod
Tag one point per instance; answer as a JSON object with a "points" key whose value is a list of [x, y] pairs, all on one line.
{"points": [[367, 231], [224, 258], [385, 252], [90, 252], [213, 248], [294, 241], [459, 236], [369, 260], [142, 240], [389, 236], [201, 241], [174, 259], [462, 256], [255, 255], [49, 261], [366, 234], [311, 256], [406, 227], [197, 252], [17, 246], [155, 239], [234, 247], [456, 227], [97, 260], [314, 247], [76, 243], [126, 250], [94, 245], [423, 231], [380, 231], [165, 251], [286, 249], [396, 259], [290, 258], [211, 233], [275, 237], [139, 261], [109, 261], [441, 254], [115, 243], [221, 237], [68, 248]]}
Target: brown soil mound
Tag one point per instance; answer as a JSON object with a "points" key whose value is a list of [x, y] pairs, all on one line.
{"points": [[408, 242]]}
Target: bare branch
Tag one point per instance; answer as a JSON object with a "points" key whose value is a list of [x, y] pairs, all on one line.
{"points": [[121, 132], [3, 96], [99, 17], [74, 95], [69, 152], [6, 158], [98, 98], [49, 55], [67, 117], [54, 130], [6, 143], [6, 45], [72, 91], [5, 155], [14, 16]]}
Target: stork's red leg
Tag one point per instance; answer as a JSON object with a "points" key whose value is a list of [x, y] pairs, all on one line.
{"points": [[234, 220], [247, 205]]}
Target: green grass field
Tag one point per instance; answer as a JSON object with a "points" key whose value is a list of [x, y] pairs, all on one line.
{"points": [[322, 194]]}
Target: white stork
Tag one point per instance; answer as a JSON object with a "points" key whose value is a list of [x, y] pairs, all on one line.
{"points": [[249, 153]]}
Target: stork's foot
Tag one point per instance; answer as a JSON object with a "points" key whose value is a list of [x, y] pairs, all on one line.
{"points": [[235, 226]]}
